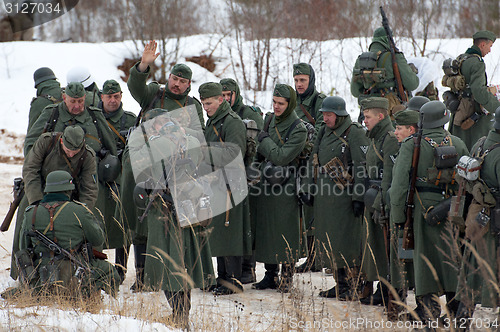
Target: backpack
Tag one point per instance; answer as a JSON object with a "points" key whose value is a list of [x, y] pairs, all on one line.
{"points": [[445, 159], [368, 72]]}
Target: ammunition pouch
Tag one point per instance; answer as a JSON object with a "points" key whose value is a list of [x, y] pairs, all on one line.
{"points": [[437, 214], [437, 176], [455, 83], [337, 172], [49, 274], [25, 264], [368, 73]]}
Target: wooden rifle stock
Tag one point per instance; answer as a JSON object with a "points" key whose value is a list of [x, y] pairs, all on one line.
{"points": [[395, 68], [408, 236], [12, 209]]}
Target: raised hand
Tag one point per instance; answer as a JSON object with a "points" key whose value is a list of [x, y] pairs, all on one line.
{"points": [[148, 56]]}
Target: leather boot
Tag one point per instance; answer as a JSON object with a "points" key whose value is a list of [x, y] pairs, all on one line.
{"points": [[140, 260], [286, 283], [451, 304], [464, 314], [310, 263], [121, 258], [381, 296], [230, 284], [341, 286], [352, 285], [428, 308], [270, 280], [367, 290], [180, 302], [248, 269]]}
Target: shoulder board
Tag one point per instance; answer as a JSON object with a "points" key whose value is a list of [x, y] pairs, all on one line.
{"points": [[129, 114], [408, 138], [79, 203], [357, 124], [32, 100], [392, 134], [321, 95], [95, 109], [234, 115], [52, 106], [90, 150], [29, 208], [254, 108]]}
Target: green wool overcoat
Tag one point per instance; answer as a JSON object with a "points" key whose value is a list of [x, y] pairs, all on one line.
{"points": [[178, 258], [47, 93], [227, 131], [335, 226], [117, 231], [275, 209], [475, 281], [474, 71], [432, 253], [380, 157], [151, 96]]}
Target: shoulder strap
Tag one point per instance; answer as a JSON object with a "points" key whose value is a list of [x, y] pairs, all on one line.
{"points": [[380, 154], [308, 115], [219, 133], [94, 120], [292, 127], [268, 123]]}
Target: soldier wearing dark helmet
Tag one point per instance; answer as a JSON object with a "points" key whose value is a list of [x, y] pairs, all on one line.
{"points": [[406, 121], [48, 91], [340, 146], [435, 266]]}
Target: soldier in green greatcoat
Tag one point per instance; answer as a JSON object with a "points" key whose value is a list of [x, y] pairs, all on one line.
{"points": [[435, 260], [72, 226], [480, 102], [230, 237], [338, 203], [231, 92], [309, 102], [82, 75], [479, 270], [373, 75], [380, 157], [48, 91], [276, 207], [172, 96], [51, 152], [178, 254], [119, 121]]}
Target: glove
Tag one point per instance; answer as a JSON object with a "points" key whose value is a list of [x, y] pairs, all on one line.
{"points": [[263, 134], [378, 219], [358, 208]]}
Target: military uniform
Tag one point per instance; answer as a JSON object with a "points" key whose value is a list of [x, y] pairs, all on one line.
{"points": [[380, 157], [153, 95], [339, 197], [48, 91], [475, 283], [47, 156], [230, 237], [97, 133], [175, 254], [364, 86], [435, 267], [473, 70], [82, 75], [308, 106], [72, 226], [278, 229]]}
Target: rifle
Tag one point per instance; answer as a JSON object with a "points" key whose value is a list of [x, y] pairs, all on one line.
{"points": [[18, 196], [393, 49], [391, 309], [82, 269], [408, 236]]}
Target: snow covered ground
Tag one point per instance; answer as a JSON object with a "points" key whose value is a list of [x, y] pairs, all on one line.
{"points": [[249, 311]]}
